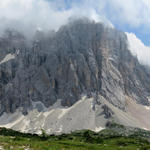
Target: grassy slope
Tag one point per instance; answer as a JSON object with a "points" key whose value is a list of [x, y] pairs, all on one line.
{"points": [[108, 139]]}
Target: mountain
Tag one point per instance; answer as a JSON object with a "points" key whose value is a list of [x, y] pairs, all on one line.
{"points": [[79, 77]]}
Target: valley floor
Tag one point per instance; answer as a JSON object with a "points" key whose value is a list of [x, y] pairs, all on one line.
{"points": [[107, 139], [8, 143]]}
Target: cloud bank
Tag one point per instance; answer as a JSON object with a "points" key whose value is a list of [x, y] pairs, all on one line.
{"points": [[29, 15], [138, 49], [132, 12], [52, 14]]}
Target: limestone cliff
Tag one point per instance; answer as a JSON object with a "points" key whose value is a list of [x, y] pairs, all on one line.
{"points": [[81, 58]]}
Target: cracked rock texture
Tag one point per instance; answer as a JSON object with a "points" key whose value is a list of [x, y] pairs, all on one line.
{"points": [[81, 58]]}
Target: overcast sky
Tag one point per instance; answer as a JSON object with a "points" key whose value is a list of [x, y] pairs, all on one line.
{"points": [[126, 15]]}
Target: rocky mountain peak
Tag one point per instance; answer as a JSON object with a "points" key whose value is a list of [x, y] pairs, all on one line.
{"points": [[81, 58]]}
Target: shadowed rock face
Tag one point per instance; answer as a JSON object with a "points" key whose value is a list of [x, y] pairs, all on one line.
{"points": [[82, 57]]}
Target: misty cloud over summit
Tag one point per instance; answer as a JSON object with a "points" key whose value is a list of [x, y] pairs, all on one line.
{"points": [[28, 16]]}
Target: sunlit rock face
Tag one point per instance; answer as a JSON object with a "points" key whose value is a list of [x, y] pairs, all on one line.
{"points": [[81, 58]]}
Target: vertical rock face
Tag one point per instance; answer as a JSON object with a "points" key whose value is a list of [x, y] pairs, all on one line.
{"points": [[82, 57], [121, 72]]}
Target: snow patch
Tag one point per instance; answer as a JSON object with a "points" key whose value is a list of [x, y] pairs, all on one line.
{"points": [[17, 52], [111, 59], [98, 129], [10, 56], [148, 99], [7, 58], [145, 129], [147, 107]]}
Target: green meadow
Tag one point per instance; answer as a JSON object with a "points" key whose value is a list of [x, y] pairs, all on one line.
{"points": [[114, 138]]}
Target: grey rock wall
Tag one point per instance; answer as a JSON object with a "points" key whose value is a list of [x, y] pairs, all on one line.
{"points": [[82, 57]]}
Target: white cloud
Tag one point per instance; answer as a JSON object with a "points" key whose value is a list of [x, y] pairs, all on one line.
{"points": [[28, 15], [52, 14], [31, 14], [138, 49], [132, 12]]}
